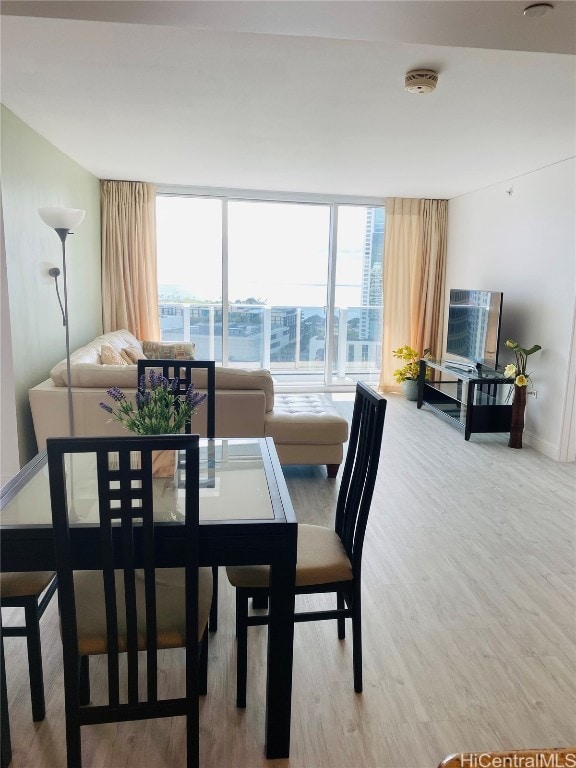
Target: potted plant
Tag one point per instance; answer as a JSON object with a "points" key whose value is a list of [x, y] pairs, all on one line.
{"points": [[408, 374], [159, 411]]}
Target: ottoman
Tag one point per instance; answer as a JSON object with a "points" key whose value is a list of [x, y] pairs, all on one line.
{"points": [[307, 429]]}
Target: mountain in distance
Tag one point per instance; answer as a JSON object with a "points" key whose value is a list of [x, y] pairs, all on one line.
{"points": [[179, 294]]}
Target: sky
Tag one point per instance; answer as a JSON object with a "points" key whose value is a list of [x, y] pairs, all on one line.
{"points": [[277, 252]]}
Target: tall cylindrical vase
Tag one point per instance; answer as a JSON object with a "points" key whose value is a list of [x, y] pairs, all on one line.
{"points": [[517, 422]]}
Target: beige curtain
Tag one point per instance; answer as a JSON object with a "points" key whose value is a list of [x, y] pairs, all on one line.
{"points": [[129, 279], [413, 277]]}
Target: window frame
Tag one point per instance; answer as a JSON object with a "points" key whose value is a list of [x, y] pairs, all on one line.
{"points": [[227, 195]]}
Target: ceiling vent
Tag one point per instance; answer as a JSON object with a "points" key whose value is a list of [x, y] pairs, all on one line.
{"points": [[421, 81]]}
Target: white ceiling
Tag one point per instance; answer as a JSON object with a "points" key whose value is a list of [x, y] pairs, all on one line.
{"points": [[296, 96]]}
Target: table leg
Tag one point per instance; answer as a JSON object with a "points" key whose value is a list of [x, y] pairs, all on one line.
{"points": [[280, 653], [469, 404]]}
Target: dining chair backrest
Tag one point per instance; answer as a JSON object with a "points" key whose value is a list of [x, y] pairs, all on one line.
{"points": [[183, 370], [360, 470], [127, 551], [202, 374]]}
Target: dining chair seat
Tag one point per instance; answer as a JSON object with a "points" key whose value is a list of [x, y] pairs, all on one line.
{"points": [[24, 584], [321, 559], [170, 612]]}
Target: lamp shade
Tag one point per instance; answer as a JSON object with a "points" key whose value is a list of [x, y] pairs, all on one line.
{"points": [[62, 218]]}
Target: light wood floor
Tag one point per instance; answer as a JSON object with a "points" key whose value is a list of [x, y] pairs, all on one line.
{"points": [[469, 625]]}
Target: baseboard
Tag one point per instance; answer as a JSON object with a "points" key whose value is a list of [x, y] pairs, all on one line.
{"points": [[542, 446]]}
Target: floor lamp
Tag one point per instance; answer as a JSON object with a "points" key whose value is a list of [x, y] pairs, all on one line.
{"points": [[63, 220]]}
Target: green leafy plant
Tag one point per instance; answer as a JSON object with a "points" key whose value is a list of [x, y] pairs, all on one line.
{"points": [[518, 371], [159, 410], [409, 371]]}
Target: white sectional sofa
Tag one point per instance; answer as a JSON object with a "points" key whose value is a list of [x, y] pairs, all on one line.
{"points": [[307, 429]]}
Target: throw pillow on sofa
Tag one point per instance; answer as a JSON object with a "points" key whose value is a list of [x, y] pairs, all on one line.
{"points": [[132, 355], [167, 350], [111, 356]]}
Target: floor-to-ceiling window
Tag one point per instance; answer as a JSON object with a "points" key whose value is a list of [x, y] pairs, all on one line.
{"points": [[277, 283], [189, 248], [357, 306], [292, 286]]}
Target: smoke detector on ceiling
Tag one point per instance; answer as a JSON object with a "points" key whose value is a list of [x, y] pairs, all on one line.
{"points": [[538, 9], [421, 81]]}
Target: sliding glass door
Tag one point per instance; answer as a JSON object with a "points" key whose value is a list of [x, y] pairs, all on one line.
{"points": [[357, 309], [277, 284], [295, 287], [189, 257]]}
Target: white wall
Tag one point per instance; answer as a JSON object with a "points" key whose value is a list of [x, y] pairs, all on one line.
{"points": [[519, 237], [36, 174]]}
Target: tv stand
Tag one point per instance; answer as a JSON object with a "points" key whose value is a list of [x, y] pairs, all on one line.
{"points": [[474, 399], [460, 366]]}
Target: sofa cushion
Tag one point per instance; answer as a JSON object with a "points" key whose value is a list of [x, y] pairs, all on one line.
{"points": [[90, 354], [168, 350], [88, 371], [239, 378], [103, 376], [305, 418]]}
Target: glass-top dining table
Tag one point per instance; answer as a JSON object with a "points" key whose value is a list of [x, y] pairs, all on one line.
{"points": [[246, 517]]}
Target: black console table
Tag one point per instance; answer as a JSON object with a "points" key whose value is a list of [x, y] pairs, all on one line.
{"points": [[474, 400]]}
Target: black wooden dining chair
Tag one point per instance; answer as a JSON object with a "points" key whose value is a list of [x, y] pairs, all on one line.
{"points": [[202, 374], [5, 739], [127, 604], [329, 560], [31, 592]]}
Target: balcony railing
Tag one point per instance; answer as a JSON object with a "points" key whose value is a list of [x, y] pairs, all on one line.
{"points": [[287, 340]]}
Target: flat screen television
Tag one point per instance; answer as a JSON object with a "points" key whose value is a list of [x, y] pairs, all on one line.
{"points": [[474, 326]]}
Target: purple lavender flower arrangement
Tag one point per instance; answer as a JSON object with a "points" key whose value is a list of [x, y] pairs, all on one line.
{"points": [[159, 409]]}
